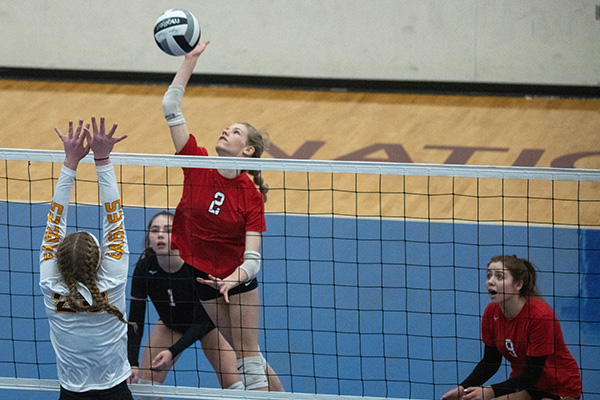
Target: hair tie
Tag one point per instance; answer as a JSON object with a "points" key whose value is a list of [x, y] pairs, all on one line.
{"points": [[85, 292]]}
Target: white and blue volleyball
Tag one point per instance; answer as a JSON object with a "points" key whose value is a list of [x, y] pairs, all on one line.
{"points": [[177, 32]]}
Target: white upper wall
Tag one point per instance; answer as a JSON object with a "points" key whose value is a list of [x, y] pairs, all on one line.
{"points": [[554, 42]]}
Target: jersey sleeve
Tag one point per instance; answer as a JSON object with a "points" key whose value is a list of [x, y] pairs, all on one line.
{"points": [[139, 287], [255, 221], [115, 251], [201, 326], [487, 329], [56, 223], [534, 367], [485, 369], [135, 332], [191, 148]]}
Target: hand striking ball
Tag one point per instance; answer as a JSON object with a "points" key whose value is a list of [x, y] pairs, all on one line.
{"points": [[177, 32]]}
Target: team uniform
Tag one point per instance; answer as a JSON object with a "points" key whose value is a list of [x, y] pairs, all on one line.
{"points": [[213, 216], [534, 332], [91, 347], [173, 297]]}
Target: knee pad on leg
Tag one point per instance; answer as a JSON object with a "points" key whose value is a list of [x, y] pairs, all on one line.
{"points": [[236, 386], [252, 370]]}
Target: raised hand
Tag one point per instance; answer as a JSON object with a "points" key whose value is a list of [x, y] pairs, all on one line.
{"points": [[73, 143], [199, 49], [101, 142]]}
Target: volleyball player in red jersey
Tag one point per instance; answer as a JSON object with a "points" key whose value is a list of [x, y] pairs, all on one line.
{"points": [[521, 327], [217, 229]]}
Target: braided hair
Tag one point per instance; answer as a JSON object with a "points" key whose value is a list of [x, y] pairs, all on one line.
{"points": [[77, 258], [260, 141], [522, 270]]}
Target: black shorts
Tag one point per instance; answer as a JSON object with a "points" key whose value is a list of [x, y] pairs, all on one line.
{"points": [[199, 319], [205, 292], [539, 394], [119, 392]]}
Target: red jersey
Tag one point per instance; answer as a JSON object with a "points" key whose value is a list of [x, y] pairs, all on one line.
{"points": [[213, 216], [534, 332]]}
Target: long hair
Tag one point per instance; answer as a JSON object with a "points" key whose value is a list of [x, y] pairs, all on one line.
{"points": [[522, 270], [77, 258], [260, 141]]}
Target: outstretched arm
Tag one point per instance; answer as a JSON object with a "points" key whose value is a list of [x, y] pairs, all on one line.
{"points": [[135, 332], [56, 224], [101, 142], [73, 142], [172, 98], [115, 252]]}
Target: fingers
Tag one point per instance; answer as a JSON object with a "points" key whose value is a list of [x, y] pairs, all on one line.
{"points": [[218, 284], [78, 131], [100, 141], [469, 393], [117, 140], [60, 135], [162, 360], [198, 50], [205, 282], [95, 124], [70, 129], [87, 134], [133, 378], [112, 130], [157, 363]]}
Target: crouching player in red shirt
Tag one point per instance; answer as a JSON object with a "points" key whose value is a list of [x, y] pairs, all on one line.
{"points": [[521, 327]]}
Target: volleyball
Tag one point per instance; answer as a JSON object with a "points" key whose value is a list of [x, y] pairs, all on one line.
{"points": [[177, 32]]}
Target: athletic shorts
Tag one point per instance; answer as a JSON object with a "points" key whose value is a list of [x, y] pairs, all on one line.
{"points": [[200, 318], [205, 292], [539, 394], [119, 392]]}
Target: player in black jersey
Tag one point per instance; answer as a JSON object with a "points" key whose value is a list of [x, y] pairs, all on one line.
{"points": [[162, 275], [168, 281]]}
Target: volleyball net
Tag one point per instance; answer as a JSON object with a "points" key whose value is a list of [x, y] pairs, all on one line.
{"points": [[372, 277]]}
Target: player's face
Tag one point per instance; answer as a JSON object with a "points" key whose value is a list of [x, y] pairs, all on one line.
{"points": [[233, 142], [500, 284], [159, 236]]}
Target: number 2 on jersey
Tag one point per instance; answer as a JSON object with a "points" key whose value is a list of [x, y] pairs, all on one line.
{"points": [[216, 204]]}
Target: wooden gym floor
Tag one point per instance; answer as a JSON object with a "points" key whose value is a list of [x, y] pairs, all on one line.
{"points": [[418, 128], [430, 128]]}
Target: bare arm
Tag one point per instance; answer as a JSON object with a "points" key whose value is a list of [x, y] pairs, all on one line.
{"points": [[239, 275], [174, 95]]}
